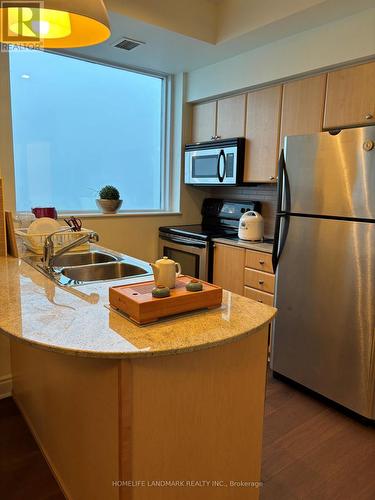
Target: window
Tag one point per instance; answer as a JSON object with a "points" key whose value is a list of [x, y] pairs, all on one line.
{"points": [[78, 126]]}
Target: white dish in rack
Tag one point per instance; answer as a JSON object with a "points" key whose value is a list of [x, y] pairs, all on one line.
{"points": [[44, 225]]}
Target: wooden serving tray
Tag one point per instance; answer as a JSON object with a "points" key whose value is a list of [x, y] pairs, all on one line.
{"points": [[137, 302]]}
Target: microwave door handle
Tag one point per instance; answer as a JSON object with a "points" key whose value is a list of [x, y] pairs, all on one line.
{"points": [[221, 155]]}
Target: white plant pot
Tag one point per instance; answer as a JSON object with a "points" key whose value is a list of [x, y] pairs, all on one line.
{"points": [[109, 206]]}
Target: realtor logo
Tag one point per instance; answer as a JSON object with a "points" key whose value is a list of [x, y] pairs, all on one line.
{"points": [[21, 23]]}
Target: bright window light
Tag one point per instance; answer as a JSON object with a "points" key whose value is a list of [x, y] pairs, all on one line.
{"points": [[78, 126]]}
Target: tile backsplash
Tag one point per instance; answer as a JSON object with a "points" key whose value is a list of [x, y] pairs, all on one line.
{"points": [[265, 193]]}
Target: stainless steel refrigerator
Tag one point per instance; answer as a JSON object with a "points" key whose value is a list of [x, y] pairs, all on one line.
{"points": [[324, 333]]}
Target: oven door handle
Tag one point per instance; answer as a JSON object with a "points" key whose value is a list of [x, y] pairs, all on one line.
{"points": [[221, 155], [187, 242]]}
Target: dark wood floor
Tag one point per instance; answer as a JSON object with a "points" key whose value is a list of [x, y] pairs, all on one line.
{"points": [[24, 474], [311, 452]]}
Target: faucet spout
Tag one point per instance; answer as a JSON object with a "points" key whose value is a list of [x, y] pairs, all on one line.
{"points": [[49, 253]]}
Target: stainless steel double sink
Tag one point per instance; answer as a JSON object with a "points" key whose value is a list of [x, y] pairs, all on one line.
{"points": [[74, 269]]}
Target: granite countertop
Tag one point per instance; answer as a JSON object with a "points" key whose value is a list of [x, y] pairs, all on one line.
{"points": [[250, 245], [77, 321]]}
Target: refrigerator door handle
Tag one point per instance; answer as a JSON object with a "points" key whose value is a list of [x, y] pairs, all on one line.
{"points": [[280, 182], [283, 190], [275, 259], [280, 239]]}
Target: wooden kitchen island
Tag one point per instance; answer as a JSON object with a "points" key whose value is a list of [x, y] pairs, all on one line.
{"points": [[169, 411]]}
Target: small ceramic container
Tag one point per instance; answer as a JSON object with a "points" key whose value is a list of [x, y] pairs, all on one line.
{"points": [[194, 286], [160, 292]]}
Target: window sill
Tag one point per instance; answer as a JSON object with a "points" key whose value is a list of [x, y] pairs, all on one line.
{"points": [[98, 215]]}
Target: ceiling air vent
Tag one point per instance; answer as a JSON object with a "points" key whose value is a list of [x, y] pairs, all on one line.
{"points": [[128, 44]]}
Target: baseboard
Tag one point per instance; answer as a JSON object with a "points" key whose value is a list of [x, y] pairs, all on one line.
{"points": [[5, 386]]}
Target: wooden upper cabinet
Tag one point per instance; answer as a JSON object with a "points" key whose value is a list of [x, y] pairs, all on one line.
{"points": [[350, 98], [204, 121], [303, 107], [223, 119], [231, 113], [262, 134]]}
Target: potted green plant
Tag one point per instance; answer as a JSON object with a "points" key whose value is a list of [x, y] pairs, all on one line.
{"points": [[109, 200]]}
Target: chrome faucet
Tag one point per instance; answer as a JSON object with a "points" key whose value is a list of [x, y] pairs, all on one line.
{"points": [[49, 254]]}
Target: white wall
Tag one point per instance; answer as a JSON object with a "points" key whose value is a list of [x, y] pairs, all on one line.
{"points": [[237, 17], [194, 18], [350, 39]]}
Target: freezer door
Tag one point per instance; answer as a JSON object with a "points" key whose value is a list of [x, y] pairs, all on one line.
{"points": [[332, 174], [323, 336]]}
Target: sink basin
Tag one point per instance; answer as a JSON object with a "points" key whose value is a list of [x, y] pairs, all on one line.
{"points": [[103, 272], [82, 259], [76, 269]]}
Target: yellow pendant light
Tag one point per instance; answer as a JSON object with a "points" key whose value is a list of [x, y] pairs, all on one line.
{"points": [[54, 24]]}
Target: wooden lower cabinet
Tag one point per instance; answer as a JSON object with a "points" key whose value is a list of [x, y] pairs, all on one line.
{"points": [[260, 280], [259, 260], [229, 263], [246, 272], [105, 425], [263, 297]]}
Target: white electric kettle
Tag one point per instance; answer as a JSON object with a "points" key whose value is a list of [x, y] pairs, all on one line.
{"points": [[251, 226]]}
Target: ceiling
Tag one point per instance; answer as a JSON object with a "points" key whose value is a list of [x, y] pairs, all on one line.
{"points": [[185, 35]]}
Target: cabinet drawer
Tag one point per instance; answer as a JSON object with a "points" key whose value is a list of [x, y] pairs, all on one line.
{"points": [[263, 297], [259, 260], [259, 280]]}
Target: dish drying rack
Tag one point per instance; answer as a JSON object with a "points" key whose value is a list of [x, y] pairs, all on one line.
{"points": [[35, 242]]}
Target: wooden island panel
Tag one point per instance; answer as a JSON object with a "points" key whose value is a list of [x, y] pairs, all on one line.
{"points": [[71, 407], [199, 416], [195, 416]]}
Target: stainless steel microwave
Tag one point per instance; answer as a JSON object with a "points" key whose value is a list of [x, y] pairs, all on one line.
{"points": [[215, 162]]}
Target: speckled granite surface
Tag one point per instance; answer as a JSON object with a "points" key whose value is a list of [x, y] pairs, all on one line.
{"points": [[236, 242], [76, 321]]}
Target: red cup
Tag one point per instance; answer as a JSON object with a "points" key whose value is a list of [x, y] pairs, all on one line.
{"points": [[40, 212]]}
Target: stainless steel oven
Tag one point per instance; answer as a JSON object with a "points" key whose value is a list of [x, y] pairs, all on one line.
{"points": [[193, 255], [193, 245], [215, 162]]}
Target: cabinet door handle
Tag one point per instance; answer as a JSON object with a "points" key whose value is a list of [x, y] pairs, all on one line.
{"points": [[261, 262], [212, 137], [261, 282], [261, 301], [369, 116], [272, 178]]}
